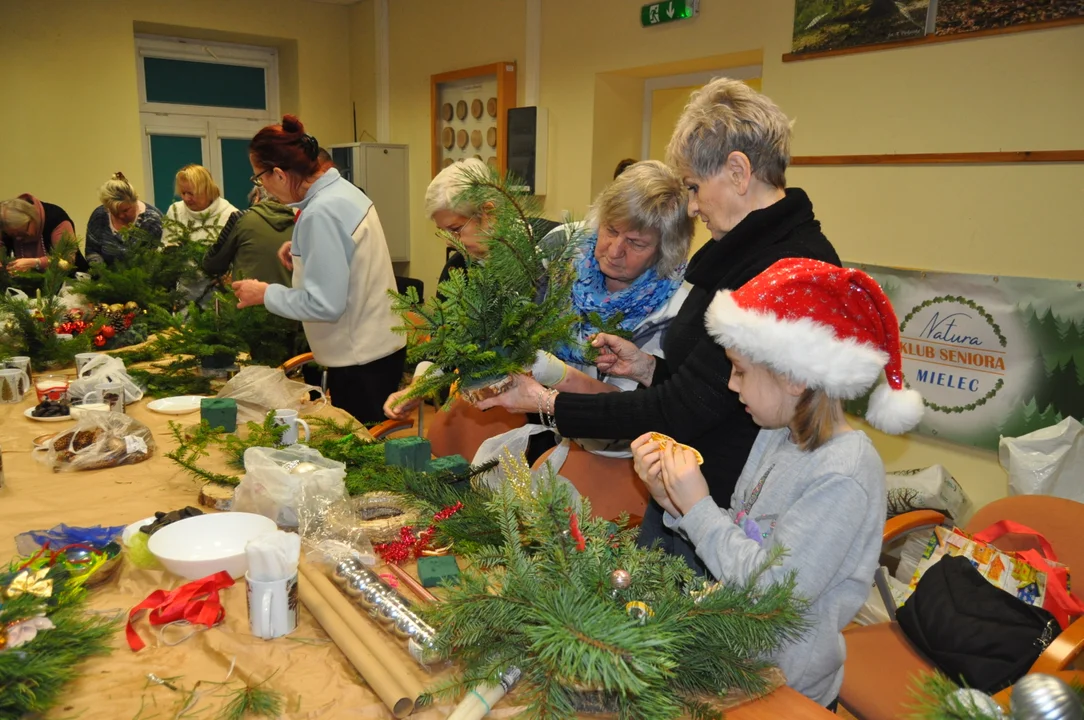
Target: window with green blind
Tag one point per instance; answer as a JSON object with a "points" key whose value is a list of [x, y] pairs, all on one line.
{"points": [[190, 82], [169, 153]]}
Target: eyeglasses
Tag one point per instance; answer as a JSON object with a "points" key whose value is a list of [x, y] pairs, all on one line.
{"points": [[256, 178], [457, 232]]}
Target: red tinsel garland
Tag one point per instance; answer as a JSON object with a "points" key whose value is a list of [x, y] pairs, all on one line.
{"points": [[411, 544]]}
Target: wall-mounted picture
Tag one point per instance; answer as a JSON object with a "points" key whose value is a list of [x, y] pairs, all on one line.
{"points": [[821, 25], [964, 16]]}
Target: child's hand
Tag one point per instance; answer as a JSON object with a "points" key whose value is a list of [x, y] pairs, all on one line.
{"points": [[681, 477], [647, 461]]}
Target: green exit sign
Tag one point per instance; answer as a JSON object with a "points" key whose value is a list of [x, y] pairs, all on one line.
{"points": [[659, 13]]}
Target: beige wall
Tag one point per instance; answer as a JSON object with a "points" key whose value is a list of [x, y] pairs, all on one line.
{"points": [[71, 108]]}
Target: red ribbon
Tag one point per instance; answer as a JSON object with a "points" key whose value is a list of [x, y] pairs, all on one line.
{"points": [[197, 602]]}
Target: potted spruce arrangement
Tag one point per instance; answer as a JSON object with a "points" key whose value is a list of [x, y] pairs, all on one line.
{"points": [[487, 323]]}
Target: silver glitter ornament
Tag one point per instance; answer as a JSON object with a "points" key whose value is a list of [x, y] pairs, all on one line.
{"points": [[1044, 697], [620, 579], [969, 702]]}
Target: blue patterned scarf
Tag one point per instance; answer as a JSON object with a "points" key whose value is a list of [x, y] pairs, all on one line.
{"points": [[644, 296]]}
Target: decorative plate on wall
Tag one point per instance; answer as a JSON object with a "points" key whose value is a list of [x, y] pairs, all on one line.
{"points": [[478, 158], [461, 109], [491, 107], [476, 108], [447, 137], [462, 138], [492, 161], [476, 138], [448, 161], [446, 111], [491, 137]]}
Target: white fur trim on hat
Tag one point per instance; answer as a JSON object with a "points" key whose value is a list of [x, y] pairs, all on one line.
{"points": [[894, 411], [805, 350]]}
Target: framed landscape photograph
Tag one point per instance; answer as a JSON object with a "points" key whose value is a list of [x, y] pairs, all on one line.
{"points": [[963, 16], [821, 25]]}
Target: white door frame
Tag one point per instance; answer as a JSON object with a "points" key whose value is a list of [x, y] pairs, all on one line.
{"points": [[746, 72]]}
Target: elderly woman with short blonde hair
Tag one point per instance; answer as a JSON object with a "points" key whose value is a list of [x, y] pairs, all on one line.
{"points": [[731, 147], [201, 207]]}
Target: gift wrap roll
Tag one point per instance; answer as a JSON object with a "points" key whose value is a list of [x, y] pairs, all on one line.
{"points": [[373, 670], [374, 639]]}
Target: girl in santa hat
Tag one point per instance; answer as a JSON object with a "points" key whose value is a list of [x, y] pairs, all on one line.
{"points": [[802, 336]]}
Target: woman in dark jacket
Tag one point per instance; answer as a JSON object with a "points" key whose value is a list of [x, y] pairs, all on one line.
{"points": [[732, 147], [30, 229]]}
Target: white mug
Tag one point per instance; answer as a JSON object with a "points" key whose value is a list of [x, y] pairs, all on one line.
{"points": [[272, 607], [14, 383], [110, 393], [290, 419], [82, 359], [20, 362]]}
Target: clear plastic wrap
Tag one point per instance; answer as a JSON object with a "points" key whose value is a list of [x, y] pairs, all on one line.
{"points": [[281, 483], [105, 369], [258, 390], [100, 440]]}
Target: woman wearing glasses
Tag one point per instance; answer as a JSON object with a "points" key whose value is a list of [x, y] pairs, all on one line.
{"points": [[341, 271]]}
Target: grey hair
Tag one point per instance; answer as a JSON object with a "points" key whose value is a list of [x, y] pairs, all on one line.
{"points": [[17, 213], [728, 116], [649, 197], [257, 194], [449, 183]]}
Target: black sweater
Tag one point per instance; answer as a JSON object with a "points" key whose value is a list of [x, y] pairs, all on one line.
{"points": [[688, 398]]}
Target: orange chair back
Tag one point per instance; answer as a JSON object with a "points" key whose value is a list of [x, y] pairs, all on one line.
{"points": [[1060, 520], [610, 483], [463, 428]]}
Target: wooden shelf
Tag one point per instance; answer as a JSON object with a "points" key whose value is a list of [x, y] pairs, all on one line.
{"points": [[505, 75], [933, 39], [972, 158]]}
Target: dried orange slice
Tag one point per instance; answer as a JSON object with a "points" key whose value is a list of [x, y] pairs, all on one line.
{"points": [[663, 440]]}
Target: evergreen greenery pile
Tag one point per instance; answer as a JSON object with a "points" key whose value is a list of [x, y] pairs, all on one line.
{"points": [[489, 321], [544, 601], [935, 699], [28, 327], [33, 676]]}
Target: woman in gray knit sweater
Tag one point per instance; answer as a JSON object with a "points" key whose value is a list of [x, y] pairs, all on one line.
{"points": [[800, 336]]}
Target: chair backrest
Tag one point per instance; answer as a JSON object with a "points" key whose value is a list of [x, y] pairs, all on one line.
{"points": [[463, 428], [610, 483], [1061, 521]]}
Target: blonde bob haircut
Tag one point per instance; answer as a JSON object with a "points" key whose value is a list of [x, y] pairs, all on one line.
{"points": [[727, 116], [116, 192], [444, 190], [16, 214], [648, 197], [203, 185]]}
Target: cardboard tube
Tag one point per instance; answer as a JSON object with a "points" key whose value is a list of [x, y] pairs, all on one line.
{"points": [[372, 670], [373, 638]]}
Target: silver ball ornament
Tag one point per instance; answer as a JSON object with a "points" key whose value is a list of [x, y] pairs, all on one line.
{"points": [[620, 579], [969, 701], [405, 627], [1044, 697], [353, 587]]}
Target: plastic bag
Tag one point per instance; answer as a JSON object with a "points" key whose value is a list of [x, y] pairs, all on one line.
{"points": [[515, 442], [100, 440], [259, 389], [1049, 461], [104, 369], [278, 482], [62, 535], [932, 487]]}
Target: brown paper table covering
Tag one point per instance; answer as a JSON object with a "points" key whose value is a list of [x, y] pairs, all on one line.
{"points": [[313, 676]]}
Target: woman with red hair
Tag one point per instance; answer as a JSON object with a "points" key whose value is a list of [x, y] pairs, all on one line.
{"points": [[341, 271]]}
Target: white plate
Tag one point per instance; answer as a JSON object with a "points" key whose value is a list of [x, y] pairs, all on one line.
{"points": [[134, 528], [179, 405], [28, 413]]}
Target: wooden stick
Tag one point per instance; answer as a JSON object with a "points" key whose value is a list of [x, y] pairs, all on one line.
{"points": [[373, 638], [373, 671], [414, 586]]}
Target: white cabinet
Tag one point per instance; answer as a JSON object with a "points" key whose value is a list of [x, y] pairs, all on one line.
{"points": [[381, 170]]}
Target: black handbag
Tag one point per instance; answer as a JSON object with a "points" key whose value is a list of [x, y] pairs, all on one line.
{"points": [[971, 630]]}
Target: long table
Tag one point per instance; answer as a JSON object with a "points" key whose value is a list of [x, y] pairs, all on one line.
{"points": [[313, 676]]}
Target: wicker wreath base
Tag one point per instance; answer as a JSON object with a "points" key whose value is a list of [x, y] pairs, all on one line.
{"points": [[381, 515]]}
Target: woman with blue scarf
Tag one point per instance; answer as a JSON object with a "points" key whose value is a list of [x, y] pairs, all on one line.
{"points": [[628, 280]]}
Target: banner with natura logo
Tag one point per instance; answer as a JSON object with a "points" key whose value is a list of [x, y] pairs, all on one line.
{"points": [[991, 356]]}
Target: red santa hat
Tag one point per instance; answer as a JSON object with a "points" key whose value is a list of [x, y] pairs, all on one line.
{"points": [[829, 327]]}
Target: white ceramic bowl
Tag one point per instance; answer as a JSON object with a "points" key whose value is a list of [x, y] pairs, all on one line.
{"points": [[203, 545]]}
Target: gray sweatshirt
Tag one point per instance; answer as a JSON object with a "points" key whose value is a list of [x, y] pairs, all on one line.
{"points": [[827, 508]]}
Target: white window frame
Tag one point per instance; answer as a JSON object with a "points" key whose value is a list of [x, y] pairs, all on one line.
{"points": [[209, 123], [208, 52]]}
